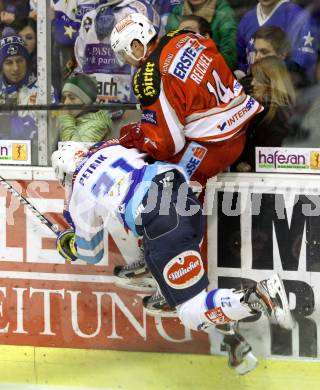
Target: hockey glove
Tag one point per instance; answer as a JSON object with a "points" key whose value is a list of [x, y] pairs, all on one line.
{"points": [[131, 136], [66, 245]]}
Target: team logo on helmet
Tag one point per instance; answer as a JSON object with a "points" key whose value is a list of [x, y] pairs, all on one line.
{"points": [[127, 21]]}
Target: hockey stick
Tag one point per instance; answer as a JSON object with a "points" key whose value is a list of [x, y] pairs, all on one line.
{"points": [[54, 228]]}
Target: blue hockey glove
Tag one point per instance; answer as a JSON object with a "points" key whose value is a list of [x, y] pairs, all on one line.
{"points": [[66, 245]]}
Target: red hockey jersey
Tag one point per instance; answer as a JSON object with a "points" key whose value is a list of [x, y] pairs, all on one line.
{"points": [[188, 93]]}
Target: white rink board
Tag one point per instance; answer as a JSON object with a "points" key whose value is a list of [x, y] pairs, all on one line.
{"points": [[273, 226]]}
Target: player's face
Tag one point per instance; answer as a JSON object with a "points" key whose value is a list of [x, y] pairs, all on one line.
{"points": [[128, 59], [29, 37], [137, 51], [14, 69], [263, 49]]}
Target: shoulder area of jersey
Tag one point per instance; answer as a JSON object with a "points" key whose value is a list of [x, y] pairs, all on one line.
{"points": [[67, 159], [103, 144], [147, 83]]}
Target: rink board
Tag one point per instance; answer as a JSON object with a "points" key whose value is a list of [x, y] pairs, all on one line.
{"points": [[45, 302], [256, 225]]}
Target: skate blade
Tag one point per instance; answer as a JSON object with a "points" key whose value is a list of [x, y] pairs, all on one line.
{"points": [[161, 313], [148, 285], [248, 364], [282, 315]]}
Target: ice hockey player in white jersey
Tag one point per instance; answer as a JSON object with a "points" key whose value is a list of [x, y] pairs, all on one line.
{"points": [[156, 203], [93, 50]]}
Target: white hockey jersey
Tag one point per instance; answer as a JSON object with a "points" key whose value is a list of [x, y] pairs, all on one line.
{"points": [[111, 181], [97, 58]]}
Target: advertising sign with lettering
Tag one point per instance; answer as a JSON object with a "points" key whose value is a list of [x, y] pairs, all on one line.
{"points": [[261, 227], [15, 152], [290, 160], [47, 302], [254, 229]]}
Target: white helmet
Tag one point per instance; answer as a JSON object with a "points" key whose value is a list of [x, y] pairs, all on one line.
{"points": [[134, 26], [66, 159]]}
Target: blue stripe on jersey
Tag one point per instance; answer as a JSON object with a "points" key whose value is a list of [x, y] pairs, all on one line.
{"points": [[92, 259], [90, 245], [136, 178], [210, 299], [139, 193]]}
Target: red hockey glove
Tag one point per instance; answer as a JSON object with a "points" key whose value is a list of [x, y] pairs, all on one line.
{"points": [[131, 136]]}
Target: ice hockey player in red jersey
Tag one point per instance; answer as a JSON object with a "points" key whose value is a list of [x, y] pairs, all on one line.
{"points": [[194, 111]]}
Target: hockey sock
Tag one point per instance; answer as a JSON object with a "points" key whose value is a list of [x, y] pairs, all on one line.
{"points": [[219, 306]]}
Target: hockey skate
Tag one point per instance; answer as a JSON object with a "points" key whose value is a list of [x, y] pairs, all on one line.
{"points": [[135, 276], [240, 356], [269, 297], [156, 305]]}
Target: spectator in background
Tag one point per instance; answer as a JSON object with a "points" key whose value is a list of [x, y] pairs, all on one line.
{"points": [[95, 56], [33, 9], [295, 21], [14, 65], [79, 125], [27, 29], [18, 85], [241, 7], [12, 11], [221, 18], [272, 40], [196, 24], [273, 88]]}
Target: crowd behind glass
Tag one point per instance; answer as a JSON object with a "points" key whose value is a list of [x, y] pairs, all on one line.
{"points": [[272, 47]]}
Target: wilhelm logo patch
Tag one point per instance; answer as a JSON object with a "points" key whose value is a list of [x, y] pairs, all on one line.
{"points": [[184, 270]]}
